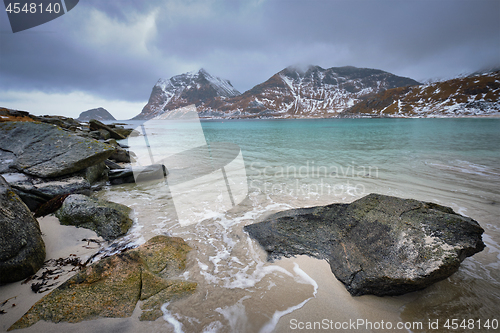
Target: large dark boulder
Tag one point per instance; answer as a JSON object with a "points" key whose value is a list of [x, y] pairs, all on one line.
{"points": [[22, 250], [378, 245], [108, 219], [113, 286], [47, 151]]}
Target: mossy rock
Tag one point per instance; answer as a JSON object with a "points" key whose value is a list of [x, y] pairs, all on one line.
{"points": [[113, 286], [151, 308]]}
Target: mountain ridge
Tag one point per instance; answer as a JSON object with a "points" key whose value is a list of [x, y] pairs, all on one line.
{"points": [[290, 93], [473, 95], [316, 92]]}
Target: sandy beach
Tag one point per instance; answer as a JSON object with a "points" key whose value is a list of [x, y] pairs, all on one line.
{"points": [[432, 160], [322, 300], [60, 242]]}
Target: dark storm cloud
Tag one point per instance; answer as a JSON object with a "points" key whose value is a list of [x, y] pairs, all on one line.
{"points": [[55, 58], [118, 49]]}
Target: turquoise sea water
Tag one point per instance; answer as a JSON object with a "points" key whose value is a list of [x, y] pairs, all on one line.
{"points": [[302, 163]]}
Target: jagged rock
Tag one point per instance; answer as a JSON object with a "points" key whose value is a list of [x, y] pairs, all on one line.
{"points": [[112, 286], [108, 219], [34, 191], [22, 250], [103, 134], [121, 176], [126, 131], [96, 125], [94, 135], [112, 165], [95, 173], [47, 151], [378, 245], [8, 115], [112, 142], [120, 155]]}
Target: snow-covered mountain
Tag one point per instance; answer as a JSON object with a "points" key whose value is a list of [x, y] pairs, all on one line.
{"points": [[308, 93], [290, 93], [474, 95], [186, 89]]}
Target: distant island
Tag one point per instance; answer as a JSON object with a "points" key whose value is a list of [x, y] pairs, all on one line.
{"points": [[97, 114]]}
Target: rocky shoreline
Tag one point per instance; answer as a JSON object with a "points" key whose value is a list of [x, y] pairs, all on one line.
{"points": [[376, 245], [54, 164]]}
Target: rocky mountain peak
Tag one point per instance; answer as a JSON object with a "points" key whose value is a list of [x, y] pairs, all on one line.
{"points": [[195, 87]]}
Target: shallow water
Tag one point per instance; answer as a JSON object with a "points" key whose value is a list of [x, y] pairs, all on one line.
{"points": [[301, 163]]}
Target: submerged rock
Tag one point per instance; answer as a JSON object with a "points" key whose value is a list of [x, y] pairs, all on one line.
{"points": [[108, 219], [112, 286], [378, 245], [47, 151], [22, 250]]}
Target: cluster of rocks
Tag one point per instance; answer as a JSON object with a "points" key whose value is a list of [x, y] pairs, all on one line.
{"points": [[42, 157], [377, 245], [53, 164], [54, 161]]}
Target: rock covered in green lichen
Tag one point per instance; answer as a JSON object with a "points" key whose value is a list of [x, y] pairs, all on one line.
{"points": [[151, 307], [113, 286]]}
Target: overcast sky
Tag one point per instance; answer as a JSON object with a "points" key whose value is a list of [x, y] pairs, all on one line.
{"points": [[110, 53]]}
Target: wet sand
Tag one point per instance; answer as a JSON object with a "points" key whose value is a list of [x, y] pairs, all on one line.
{"points": [[334, 309], [322, 299], [60, 242]]}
